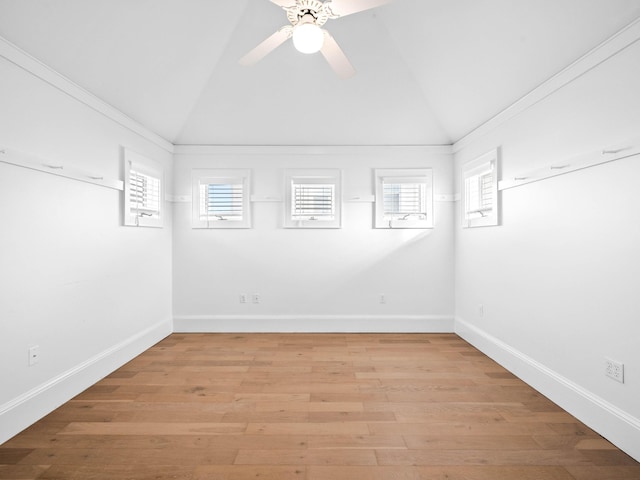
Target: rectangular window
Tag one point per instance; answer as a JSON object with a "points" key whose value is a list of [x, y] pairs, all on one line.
{"points": [[404, 198], [313, 201], [480, 191], [312, 198], [221, 198], [143, 191]]}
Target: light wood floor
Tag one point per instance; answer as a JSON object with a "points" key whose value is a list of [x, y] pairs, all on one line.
{"points": [[339, 407]]}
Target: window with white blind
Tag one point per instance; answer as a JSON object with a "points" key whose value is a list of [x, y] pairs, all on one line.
{"points": [[143, 191], [221, 198], [480, 191], [404, 198], [312, 198]]}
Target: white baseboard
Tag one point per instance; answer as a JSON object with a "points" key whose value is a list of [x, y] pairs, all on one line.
{"points": [[616, 425], [313, 323], [28, 408]]}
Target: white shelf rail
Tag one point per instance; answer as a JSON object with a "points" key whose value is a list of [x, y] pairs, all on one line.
{"points": [[60, 169], [592, 159]]}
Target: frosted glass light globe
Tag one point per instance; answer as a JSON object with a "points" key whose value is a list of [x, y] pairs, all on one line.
{"points": [[308, 38]]}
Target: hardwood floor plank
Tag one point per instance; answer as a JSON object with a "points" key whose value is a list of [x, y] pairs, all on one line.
{"points": [[119, 472], [134, 428], [323, 428], [334, 456], [438, 473], [245, 472], [356, 442], [482, 457], [9, 456], [126, 456], [368, 417], [311, 407], [259, 398], [613, 472], [266, 417], [348, 397], [476, 442], [22, 472], [459, 429], [608, 457]]}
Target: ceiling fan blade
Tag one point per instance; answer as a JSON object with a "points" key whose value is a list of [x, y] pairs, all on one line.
{"points": [[267, 46], [340, 8], [336, 57], [284, 3]]}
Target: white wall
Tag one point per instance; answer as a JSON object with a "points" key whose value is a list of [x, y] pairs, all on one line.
{"points": [[313, 280], [559, 278], [90, 292]]}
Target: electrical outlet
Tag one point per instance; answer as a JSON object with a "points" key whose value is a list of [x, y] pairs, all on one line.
{"points": [[614, 370], [383, 298], [34, 355], [243, 298], [255, 298]]}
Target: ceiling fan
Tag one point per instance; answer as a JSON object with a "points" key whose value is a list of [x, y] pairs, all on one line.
{"points": [[306, 18]]}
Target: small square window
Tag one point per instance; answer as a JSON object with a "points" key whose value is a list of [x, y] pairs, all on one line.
{"points": [[143, 191], [313, 198], [404, 198], [480, 191], [221, 198]]}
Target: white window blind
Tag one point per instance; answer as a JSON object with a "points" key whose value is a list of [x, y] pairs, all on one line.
{"points": [[480, 190], [221, 201], [312, 198], [404, 198], [220, 198], [143, 191], [144, 195], [313, 201], [479, 195]]}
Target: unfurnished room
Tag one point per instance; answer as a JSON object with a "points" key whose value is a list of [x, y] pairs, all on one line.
{"points": [[306, 239]]}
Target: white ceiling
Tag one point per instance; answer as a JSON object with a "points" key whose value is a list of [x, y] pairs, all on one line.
{"points": [[428, 71]]}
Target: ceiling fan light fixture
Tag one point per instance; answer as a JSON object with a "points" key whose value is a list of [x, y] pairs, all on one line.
{"points": [[308, 38]]}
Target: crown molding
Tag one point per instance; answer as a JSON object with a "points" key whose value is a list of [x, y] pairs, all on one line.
{"points": [[35, 67], [308, 149], [600, 54]]}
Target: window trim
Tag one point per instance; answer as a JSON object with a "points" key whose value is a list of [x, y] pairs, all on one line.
{"points": [[145, 166], [207, 176], [384, 176], [488, 162], [324, 176]]}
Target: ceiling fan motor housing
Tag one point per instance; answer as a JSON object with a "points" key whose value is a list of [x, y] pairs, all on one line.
{"points": [[308, 11]]}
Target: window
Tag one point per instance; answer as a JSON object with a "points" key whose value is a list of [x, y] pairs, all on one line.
{"points": [[313, 198], [143, 191], [480, 191], [404, 198], [220, 198]]}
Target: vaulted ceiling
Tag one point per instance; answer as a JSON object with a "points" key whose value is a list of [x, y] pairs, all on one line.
{"points": [[428, 71]]}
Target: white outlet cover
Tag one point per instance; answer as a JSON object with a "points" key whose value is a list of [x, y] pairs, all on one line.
{"points": [[614, 370]]}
